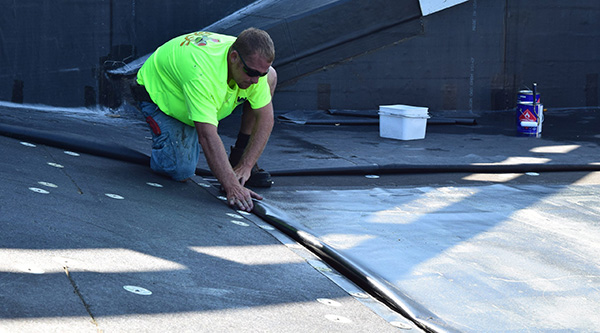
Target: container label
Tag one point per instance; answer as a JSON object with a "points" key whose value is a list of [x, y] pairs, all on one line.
{"points": [[526, 115]]}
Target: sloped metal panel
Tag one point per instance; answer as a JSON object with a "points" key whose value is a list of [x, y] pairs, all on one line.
{"points": [[312, 34]]}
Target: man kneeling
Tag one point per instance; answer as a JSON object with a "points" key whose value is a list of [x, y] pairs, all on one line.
{"points": [[192, 82]]}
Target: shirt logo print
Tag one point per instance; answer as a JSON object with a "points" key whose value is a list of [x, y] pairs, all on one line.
{"points": [[199, 38]]}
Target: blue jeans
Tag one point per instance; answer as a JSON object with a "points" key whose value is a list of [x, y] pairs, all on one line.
{"points": [[175, 147]]}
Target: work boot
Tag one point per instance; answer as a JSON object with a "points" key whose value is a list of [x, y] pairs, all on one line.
{"points": [[258, 177]]}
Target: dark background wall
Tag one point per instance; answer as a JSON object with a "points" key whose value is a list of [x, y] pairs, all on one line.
{"points": [[55, 52], [473, 56]]}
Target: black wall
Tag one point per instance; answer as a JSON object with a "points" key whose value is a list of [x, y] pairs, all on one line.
{"points": [[55, 52], [474, 56]]}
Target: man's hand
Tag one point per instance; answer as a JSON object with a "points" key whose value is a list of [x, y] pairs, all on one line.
{"points": [[216, 156], [242, 173], [241, 198]]}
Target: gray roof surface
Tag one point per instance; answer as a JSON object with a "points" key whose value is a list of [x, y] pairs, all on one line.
{"points": [[79, 230], [462, 251]]}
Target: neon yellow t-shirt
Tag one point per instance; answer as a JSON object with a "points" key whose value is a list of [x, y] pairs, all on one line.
{"points": [[187, 78]]}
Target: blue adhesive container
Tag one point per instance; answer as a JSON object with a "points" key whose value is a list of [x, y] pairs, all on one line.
{"points": [[527, 118], [530, 113]]}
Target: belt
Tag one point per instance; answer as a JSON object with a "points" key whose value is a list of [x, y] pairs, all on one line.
{"points": [[139, 93]]}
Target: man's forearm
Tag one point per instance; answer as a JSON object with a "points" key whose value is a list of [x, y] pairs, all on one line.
{"points": [[215, 154], [259, 137]]}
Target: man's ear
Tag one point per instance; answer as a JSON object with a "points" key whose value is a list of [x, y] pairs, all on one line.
{"points": [[233, 56]]}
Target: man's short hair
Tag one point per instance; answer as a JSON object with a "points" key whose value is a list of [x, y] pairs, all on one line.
{"points": [[255, 41]]}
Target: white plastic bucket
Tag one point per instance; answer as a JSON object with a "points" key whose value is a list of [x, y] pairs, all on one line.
{"points": [[402, 122]]}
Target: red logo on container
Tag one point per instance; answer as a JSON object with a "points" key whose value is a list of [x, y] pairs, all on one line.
{"points": [[527, 115]]}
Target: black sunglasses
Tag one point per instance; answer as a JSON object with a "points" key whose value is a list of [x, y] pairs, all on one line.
{"points": [[249, 71]]}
